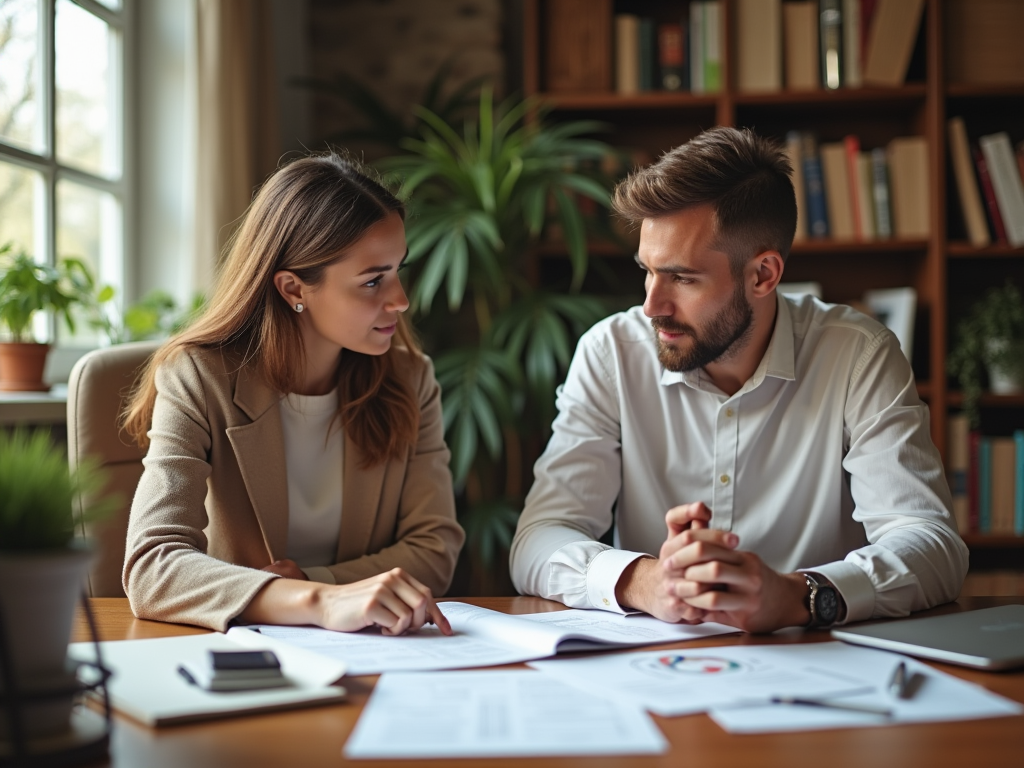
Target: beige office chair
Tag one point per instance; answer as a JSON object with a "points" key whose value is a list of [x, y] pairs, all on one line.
{"points": [[97, 389]]}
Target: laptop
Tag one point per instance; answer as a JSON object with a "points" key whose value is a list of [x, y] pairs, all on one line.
{"points": [[989, 638]]}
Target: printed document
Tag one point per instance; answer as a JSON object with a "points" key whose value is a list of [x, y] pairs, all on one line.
{"points": [[932, 696], [495, 713], [682, 682], [483, 638]]}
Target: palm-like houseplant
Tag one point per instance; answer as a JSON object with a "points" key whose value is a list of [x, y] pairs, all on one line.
{"points": [[478, 202]]}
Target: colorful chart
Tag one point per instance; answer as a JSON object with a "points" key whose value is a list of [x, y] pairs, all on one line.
{"points": [[685, 664]]}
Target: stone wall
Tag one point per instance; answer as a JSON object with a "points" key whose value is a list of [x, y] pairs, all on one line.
{"points": [[395, 47]]}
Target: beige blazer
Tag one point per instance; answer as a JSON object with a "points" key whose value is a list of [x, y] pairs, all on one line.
{"points": [[211, 507]]}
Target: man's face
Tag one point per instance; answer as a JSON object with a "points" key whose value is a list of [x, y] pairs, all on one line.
{"points": [[698, 308]]}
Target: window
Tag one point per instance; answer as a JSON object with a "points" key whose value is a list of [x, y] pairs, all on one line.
{"points": [[62, 133]]}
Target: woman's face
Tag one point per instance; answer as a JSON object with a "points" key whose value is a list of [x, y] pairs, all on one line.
{"points": [[357, 305]]}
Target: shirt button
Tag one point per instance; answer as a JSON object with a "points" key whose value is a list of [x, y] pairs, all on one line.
{"points": [[606, 601], [724, 479], [729, 412]]}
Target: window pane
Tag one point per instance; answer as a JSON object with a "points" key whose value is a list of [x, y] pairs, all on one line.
{"points": [[20, 119], [22, 201], [89, 228], [87, 52]]}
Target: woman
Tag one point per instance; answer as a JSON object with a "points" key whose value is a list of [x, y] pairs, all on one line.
{"points": [[296, 470]]}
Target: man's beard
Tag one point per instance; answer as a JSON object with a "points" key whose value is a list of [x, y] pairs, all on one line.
{"points": [[724, 335]]}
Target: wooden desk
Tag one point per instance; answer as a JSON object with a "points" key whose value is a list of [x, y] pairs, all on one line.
{"points": [[312, 737]]}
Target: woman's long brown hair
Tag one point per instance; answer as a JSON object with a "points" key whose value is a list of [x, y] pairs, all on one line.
{"points": [[303, 219]]}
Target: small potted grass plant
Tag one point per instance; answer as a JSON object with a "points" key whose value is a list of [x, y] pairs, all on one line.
{"points": [[27, 287], [42, 570]]}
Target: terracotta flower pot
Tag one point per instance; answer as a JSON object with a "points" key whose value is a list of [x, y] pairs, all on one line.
{"points": [[21, 367]]}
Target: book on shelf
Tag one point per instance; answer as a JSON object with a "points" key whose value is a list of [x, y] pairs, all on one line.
{"points": [[759, 46], [984, 485], [1003, 471], [1006, 183], [894, 26], [864, 196], [909, 184], [696, 28], [880, 193], [714, 45], [973, 480], [837, 190], [672, 67], [793, 153], [647, 46], [1018, 486], [958, 462], [800, 42], [627, 53], [830, 38], [578, 45], [851, 44], [988, 194], [817, 211], [967, 184]]}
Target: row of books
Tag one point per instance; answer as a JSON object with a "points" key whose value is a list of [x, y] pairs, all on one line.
{"points": [[824, 43], [990, 185], [986, 478], [846, 193], [670, 56]]}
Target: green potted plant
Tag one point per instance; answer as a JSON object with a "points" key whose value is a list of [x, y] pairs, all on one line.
{"points": [[26, 288], [479, 198], [42, 569], [989, 346]]}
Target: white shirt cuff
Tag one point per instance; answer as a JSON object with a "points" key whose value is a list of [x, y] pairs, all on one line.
{"points": [[603, 575], [855, 587], [319, 573]]}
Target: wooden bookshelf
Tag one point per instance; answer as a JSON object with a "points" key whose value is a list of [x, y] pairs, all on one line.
{"points": [[947, 272]]}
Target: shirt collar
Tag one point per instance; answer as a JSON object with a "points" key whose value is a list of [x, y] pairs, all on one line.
{"points": [[778, 360]]}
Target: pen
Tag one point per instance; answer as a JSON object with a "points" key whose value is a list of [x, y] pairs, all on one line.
{"points": [[832, 705], [898, 684]]}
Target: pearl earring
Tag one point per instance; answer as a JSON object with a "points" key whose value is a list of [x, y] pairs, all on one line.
{"points": [[299, 307]]}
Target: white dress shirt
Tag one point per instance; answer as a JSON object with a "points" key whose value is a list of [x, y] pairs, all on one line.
{"points": [[313, 456], [822, 461]]}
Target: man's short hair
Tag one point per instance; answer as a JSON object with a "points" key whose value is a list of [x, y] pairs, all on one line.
{"points": [[743, 177]]}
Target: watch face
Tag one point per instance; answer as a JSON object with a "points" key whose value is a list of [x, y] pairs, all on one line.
{"points": [[827, 605]]}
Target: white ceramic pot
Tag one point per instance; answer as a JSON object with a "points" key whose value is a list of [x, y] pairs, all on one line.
{"points": [[38, 593], [1000, 381]]}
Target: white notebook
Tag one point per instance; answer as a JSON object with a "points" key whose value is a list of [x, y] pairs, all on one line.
{"points": [[146, 684]]}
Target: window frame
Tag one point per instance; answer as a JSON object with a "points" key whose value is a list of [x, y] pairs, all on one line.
{"points": [[46, 163]]}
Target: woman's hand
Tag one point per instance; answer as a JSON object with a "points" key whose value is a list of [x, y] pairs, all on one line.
{"points": [[286, 569], [394, 601]]}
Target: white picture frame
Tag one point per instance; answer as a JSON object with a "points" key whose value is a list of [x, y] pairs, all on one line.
{"points": [[895, 308]]}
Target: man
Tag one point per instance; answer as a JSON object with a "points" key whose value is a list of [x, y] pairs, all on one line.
{"points": [[781, 442]]}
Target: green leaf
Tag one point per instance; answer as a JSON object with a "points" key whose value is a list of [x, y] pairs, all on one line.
{"points": [[575, 237], [458, 270]]}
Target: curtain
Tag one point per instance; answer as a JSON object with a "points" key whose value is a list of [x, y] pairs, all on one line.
{"points": [[237, 142]]}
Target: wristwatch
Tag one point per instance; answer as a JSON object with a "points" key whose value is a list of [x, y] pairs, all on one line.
{"points": [[822, 602]]}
